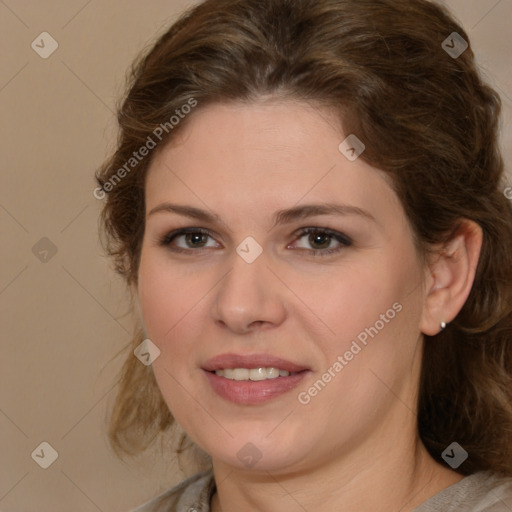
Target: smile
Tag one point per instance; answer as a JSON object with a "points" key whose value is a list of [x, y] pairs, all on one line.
{"points": [[254, 374]]}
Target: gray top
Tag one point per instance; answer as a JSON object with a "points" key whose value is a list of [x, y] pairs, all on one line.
{"points": [[479, 492]]}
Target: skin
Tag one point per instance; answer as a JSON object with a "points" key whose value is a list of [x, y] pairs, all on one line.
{"points": [[355, 445]]}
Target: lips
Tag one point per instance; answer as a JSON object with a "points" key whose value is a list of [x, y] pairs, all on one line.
{"points": [[224, 361], [249, 392]]}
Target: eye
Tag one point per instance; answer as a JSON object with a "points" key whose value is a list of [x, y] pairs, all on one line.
{"points": [[322, 241], [317, 241], [187, 239]]}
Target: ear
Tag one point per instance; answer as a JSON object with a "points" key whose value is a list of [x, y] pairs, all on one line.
{"points": [[451, 276]]}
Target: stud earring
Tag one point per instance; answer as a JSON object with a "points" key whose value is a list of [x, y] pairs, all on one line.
{"points": [[443, 325]]}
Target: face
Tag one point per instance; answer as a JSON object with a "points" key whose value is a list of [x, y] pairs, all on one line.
{"points": [[280, 281]]}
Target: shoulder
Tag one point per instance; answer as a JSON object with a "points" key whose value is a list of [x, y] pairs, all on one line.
{"points": [[480, 492], [190, 495]]}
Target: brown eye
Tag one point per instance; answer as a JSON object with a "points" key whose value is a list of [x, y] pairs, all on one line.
{"points": [[321, 241], [196, 239], [189, 239]]}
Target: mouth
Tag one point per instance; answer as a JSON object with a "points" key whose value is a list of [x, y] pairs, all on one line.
{"points": [[253, 374], [226, 362], [254, 379]]}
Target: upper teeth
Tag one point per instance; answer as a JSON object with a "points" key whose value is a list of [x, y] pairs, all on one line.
{"points": [[252, 373]]}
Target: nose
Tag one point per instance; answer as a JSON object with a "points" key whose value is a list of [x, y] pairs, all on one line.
{"points": [[249, 298]]}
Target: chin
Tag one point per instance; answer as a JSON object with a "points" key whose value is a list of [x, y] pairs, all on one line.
{"points": [[257, 452]]}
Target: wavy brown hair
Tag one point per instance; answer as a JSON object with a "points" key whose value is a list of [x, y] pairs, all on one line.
{"points": [[427, 119]]}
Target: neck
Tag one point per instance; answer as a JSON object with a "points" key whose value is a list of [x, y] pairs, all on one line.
{"points": [[396, 478]]}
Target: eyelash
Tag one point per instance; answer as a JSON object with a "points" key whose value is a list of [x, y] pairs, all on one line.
{"points": [[344, 240]]}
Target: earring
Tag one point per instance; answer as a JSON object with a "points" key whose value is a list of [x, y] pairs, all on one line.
{"points": [[443, 325]]}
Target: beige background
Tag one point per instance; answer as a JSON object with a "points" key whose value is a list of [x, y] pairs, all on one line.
{"points": [[63, 320]]}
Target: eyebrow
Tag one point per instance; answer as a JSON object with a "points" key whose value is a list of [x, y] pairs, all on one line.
{"points": [[281, 217]]}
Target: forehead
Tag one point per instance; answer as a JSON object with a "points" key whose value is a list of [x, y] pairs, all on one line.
{"points": [[260, 156]]}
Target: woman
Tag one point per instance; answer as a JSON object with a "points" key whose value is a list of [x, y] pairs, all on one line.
{"points": [[307, 203]]}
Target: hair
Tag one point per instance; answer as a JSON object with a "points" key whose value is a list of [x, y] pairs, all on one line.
{"points": [[427, 119]]}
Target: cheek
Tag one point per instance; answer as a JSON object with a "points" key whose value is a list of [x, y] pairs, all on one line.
{"points": [[165, 295], [378, 306], [169, 302], [374, 312], [174, 307], [156, 299]]}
